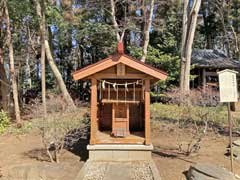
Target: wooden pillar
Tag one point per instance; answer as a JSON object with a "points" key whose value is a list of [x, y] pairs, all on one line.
{"points": [[113, 118], [128, 120], [147, 111], [93, 111], [204, 79]]}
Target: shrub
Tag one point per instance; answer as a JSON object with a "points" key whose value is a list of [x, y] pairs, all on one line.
{"points": [[59, 129], [4, 121], [191, 112], [56, 127], [196, 97], [216, 116], [26, 127]]}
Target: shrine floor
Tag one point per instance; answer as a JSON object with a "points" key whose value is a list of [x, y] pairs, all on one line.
{"points": [[104, 137]]}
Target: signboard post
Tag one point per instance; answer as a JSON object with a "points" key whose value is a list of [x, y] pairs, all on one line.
{"points": [[228, 93]]}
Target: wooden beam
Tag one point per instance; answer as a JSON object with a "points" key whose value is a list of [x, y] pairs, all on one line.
{"points": [[119, 101], [211, 73], [147, 111], [120, 141], [93, 111], [115, 76]]}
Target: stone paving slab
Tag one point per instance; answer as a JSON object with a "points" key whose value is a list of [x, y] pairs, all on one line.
{"points": [[110, 170], [119, 171]]}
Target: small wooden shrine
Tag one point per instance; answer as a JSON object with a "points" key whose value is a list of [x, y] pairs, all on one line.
{"points": [[120, 99], [207, 63]]}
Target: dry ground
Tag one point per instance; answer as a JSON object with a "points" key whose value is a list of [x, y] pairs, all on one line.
{"points": [[172, 165], [21, 149]]}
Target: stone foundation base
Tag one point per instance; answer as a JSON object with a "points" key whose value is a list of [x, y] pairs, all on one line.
{"points": [[120, 152]]}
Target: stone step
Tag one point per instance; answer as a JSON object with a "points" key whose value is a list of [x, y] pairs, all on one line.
{"points": [[112, 170]]}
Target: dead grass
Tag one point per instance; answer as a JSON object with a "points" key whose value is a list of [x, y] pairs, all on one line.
{"points": [[216, 116]]}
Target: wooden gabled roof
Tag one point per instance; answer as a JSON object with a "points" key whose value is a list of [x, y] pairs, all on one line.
{"points": [[116, 59]]}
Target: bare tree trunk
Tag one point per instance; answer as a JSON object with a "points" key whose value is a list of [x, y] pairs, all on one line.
{"points": [[147, 32], [54, 68], [236, 42], [208, 35], [43, 71], [41, 14], [184, 34], [28, 69], [3, 82], [58, 76], [219, 5], [12, 68], [187, 46], [3, 77], [225, 33], [115, 24], [189, 43]]}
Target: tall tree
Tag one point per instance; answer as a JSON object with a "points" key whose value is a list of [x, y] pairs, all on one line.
{"points": [[41, 15], [221, 11], [189, 28], [3, 77], [184, 34], [146, 33], [126, 23], [28, 68], [55, 70], [11, 63], [115, 23], [58, 77]]}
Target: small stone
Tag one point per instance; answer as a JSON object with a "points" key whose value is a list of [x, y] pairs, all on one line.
{"points": [[39, 171], [236, 151], [209, 172], [237, 142]]}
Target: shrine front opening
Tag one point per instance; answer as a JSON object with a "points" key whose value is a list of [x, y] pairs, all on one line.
{"points": [[120, 111]]}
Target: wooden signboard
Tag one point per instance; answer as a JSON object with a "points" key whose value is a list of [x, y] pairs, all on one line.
{"points": [[228, 93], [228, 86]]}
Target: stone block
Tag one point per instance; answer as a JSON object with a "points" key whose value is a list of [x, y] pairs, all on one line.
{"points": [[101, 155], [119, 152], [140, 155], [120, 155]]}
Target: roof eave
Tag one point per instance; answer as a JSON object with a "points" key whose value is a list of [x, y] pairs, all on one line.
{"points": [[112, 61]]}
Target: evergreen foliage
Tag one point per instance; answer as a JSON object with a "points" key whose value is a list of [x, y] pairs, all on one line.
{"points": [[4, 121]]}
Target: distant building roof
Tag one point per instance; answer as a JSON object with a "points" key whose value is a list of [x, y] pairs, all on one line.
{"points": [[213, 58]]}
